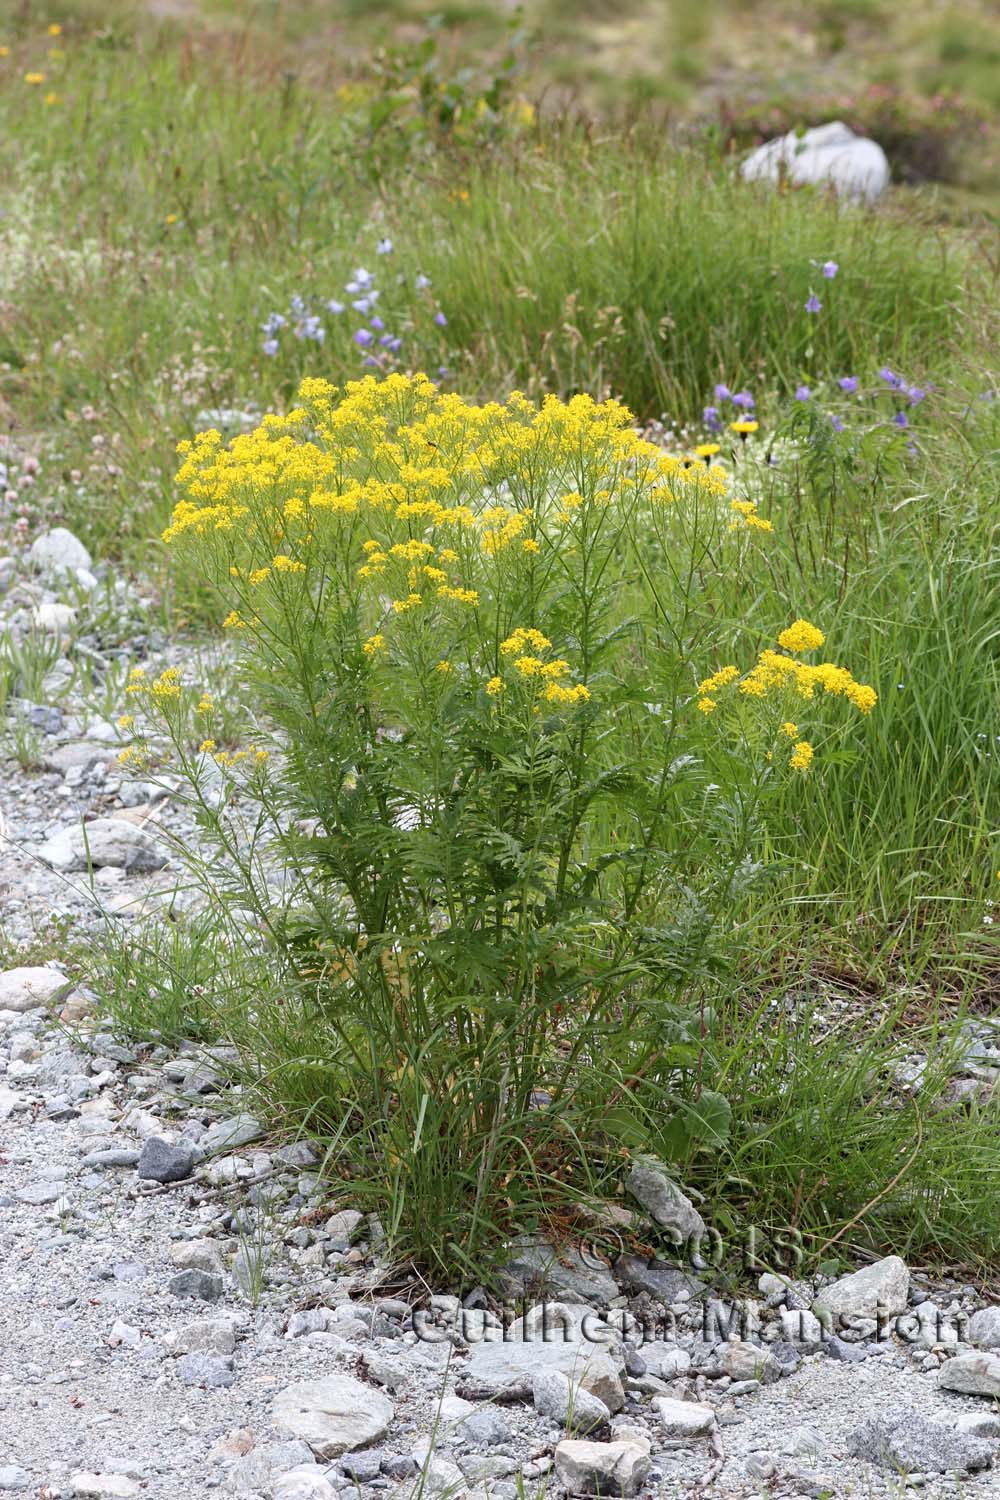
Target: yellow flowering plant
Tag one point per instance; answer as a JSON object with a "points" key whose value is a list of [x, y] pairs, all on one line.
{"points": [[472, 633]]}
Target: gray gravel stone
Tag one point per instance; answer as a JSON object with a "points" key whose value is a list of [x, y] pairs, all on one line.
{"points": [[652, 1185], [556, 1397], [209, 1370], [159, 1161], [906, 1441], [198, 1284]]}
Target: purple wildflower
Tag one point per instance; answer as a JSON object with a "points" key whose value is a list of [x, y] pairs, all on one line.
{"points": [[744, 400], [836, 424], [723, 393], [422, 282], [916, 395], [802, 393], [395, 345], [829, 269], [362, 304], [440, 319], [848, 383], [384, 247], [901, 419], [270, 347], [711, 418], [891, 379], [334, 306], [363, 338], [813, 304], [376, 322]]}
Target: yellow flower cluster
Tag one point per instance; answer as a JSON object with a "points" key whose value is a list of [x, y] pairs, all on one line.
{"points": [[522, 646], [398, 501], [775, 674], [746, 511], [801, 636]]}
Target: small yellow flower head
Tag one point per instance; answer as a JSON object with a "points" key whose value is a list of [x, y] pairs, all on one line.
{"points": [[789, 729], [126, 721], [170, 219], [374, 644], [52, 98], [55, 29], [707, 706], [802, 754], [204, 705], [136, 680], [801, 636], [443, 666], [207, 746], [4, 51], [260, 756], [400, 606], [567, 697], [530, 545], [130, 753], [744, 428], [233, 621], [34, 78], [521, 639], [285, 564], [706, 451], [167, 685], [495, 687]]}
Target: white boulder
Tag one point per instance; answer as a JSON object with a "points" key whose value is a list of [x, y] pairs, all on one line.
{"points": [[854, 166]]}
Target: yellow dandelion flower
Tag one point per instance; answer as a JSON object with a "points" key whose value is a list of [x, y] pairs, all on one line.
{"points": [[744, 428]]}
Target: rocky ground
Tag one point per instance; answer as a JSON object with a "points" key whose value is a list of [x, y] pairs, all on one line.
{"points": [[188, 1307]]}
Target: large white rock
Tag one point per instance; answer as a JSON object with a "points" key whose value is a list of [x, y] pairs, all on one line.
{"points": [[59, 551], [595, 1368], [683, 1419], [984, 1328], [853, 165], [575, 1409], [303, 1483], [972, 1374], [104, 1486], [30, 988], [104, 842], [882, 1289], [602, 1468], [334, 1414]]}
